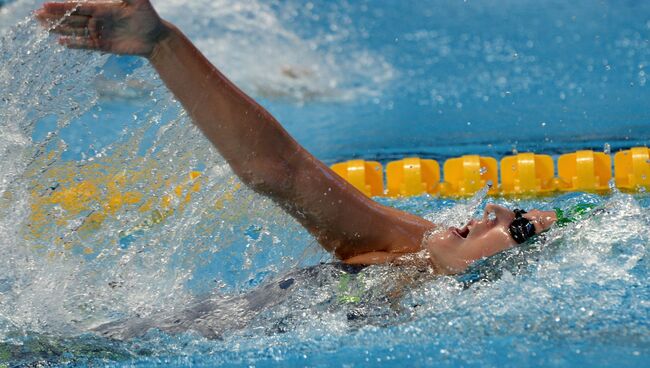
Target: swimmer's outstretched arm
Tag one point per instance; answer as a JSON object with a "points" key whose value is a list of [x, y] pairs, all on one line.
{"points": [[266, 158]]}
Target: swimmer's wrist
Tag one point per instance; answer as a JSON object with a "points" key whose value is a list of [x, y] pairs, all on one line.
{"points": [[160, 38]]}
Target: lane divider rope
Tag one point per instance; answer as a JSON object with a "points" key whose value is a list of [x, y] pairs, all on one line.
{"points": [[521, 174]]}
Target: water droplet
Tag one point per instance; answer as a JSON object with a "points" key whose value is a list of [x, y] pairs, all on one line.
{"points": [[612, 184], [253, 232], [483, 170], [607, 149]]}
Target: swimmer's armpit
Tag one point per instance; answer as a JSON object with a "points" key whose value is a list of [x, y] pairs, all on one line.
{"points": [[372, 258], [421, 260]]}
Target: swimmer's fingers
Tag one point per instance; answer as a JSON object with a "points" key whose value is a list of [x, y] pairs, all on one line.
{"points": [[81, 43], [76, 7], [71, 20], [70, 31], [74, 24]]}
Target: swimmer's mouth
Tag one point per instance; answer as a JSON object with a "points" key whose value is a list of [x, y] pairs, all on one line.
{"points": [[461, 233]]}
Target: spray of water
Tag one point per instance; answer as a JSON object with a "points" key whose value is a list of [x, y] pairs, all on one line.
{"points": [[139, 226], [150, 212], [459, 214]]}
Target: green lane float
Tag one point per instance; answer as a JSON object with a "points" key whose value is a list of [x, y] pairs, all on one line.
{"points": [[521, 174]]}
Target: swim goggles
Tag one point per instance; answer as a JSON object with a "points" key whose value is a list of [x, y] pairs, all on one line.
{"points": [[521, 228]]}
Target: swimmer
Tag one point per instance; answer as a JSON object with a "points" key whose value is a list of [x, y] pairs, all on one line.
{"points": [[357, 230]]}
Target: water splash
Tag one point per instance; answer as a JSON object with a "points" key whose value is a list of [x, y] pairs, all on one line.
{"points": [[112, 209], [143, 208], [80, 246], [461, 213]]}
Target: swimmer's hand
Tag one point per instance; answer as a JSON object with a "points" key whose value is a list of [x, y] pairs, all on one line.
{"points": [[128, 27]]}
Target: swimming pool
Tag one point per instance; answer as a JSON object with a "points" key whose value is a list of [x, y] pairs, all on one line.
{"points": [[375, 80]]}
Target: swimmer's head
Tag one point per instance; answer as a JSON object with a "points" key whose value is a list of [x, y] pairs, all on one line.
{"points": [[500, 228]]}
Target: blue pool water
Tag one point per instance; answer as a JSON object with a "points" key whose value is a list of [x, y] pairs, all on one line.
{"points": [[376, 80]]}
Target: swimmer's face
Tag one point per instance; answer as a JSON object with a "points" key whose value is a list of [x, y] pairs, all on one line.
{"points": [[456, 248]]}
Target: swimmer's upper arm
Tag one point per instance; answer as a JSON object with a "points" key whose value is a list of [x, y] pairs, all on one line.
{"points": [[347, 222]]}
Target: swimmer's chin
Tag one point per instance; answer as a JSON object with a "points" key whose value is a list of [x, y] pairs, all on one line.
{"points": [[444, 250]]}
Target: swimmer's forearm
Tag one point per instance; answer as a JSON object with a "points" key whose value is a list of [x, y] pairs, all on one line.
{"points": [[248, 137]]}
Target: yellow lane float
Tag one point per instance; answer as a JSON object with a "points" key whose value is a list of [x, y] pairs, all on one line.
{"points": [[467, 175], [632, 168], [367, 176], [527, 173], [412, 176], [70, 202], [522, 174], [584, 171]]}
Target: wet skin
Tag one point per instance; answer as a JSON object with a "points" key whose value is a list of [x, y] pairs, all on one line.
{"points": [[265, 157]]}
